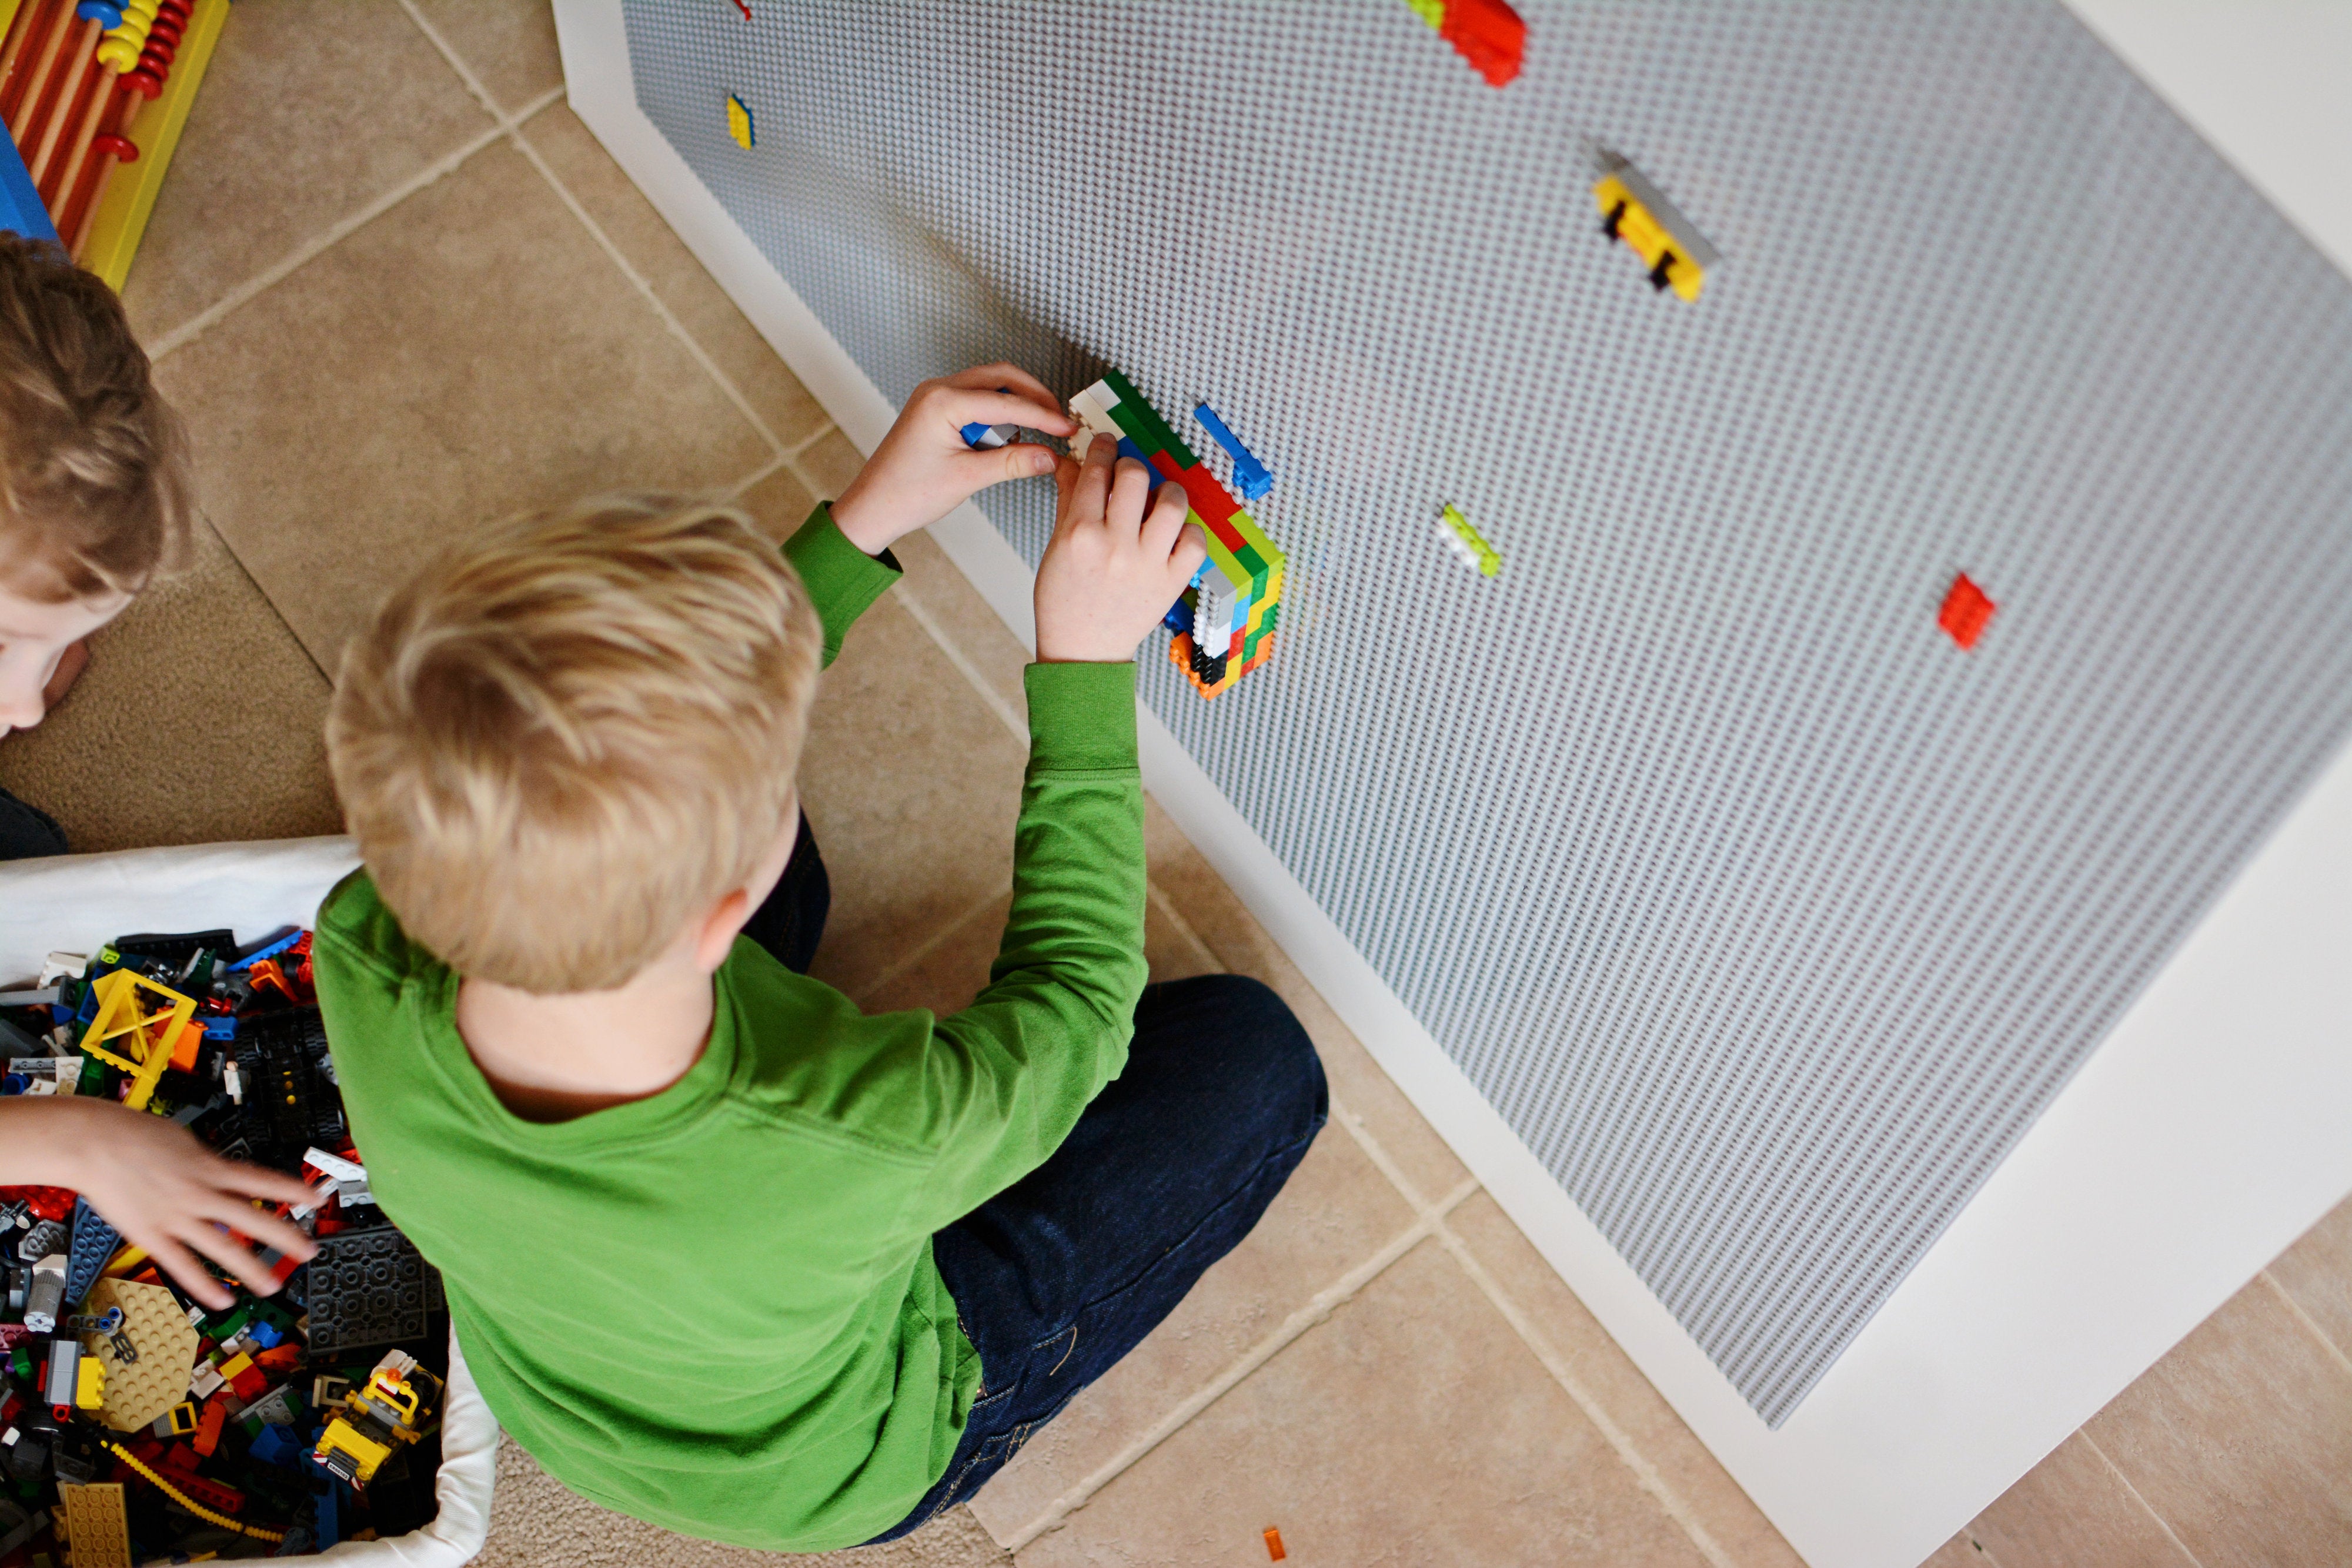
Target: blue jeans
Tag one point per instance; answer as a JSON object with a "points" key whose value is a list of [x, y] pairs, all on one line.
{"points": [[1058, 1276]]}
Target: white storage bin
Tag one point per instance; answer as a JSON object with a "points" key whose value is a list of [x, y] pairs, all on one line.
{"points": [[78, 903]]}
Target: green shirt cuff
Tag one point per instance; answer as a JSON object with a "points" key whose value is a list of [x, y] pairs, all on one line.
{"points": [[1081, 718], [841, 579]]}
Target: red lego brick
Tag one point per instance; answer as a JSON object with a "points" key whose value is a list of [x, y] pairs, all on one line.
{"points": [[1965, 612], [1489, 34]]}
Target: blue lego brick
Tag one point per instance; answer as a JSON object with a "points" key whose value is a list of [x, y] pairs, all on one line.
{"points": [[270, 950], [280, 1445], [1178, 618], [94, 1241], [1251, 477]]}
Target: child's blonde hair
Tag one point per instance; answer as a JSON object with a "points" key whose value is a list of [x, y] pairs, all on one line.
{"points": [[95, 493], [572, 733]]}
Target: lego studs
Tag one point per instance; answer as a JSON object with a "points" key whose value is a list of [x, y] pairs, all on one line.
{"points": [[738, 123], [1468, 545], [1966, 612], [1635, 210]]}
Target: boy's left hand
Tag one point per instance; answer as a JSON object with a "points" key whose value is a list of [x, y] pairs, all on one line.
{"points": [[922, 471]]}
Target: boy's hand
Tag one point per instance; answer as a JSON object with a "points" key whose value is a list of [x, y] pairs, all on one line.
{"points": [[1111, 570], [153, 1182], [923, 470]]}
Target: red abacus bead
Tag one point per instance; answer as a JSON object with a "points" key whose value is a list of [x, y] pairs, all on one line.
{"points": [[121, 146], [143, 82], [157, 59], [170, 32]]}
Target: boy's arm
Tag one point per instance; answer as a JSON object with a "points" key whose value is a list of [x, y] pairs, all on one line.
{"points": [[1010, 1074], [842, 580]]}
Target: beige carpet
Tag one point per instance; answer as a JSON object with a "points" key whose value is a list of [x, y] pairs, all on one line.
{"points": [[535, 1523]]}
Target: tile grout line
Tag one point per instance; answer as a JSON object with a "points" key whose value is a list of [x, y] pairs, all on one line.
{"points": [[2305, 1319], [311, 249], [1174, 917], [694, 347], [1319, 1308], [761, 475], [1644, 1473], [929, 947], [276, 615], [989, 695], [2116, 1470], [512, 130]]}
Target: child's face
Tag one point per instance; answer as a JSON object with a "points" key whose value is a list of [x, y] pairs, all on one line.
{"points": [[33, 637]]}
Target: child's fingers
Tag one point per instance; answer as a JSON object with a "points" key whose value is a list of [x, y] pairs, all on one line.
{"points": [[973, 405], [181, 1264], [1027, 387], [264, 1227], [1093, 489], [1014, 460], [1165, 521], [1191, 549], [254, 1181], [238, 1260], [1130, 489]]}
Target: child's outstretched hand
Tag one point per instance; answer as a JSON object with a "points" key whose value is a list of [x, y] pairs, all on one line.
{"points": [[157, 1185], [1112, 567], [923, 470]]}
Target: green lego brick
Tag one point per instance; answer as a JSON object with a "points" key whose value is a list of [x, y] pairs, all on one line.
{"points": [[1162, 436]]}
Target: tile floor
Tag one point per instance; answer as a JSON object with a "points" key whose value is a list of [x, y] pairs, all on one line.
{"points": [[415, 294]]}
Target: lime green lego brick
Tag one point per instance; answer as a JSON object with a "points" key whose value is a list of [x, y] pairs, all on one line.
{"points": [[1255, 537]]}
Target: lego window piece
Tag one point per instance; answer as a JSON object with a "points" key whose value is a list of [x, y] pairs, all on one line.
{"points": [[738, 123], [1468, 545], [1965, 612], [1488, 34], [1250, 476], [1236, 597], [1635, 210]]}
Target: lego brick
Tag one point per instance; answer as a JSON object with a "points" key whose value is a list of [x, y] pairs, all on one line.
{"points": [[1967, 611], [1135, 413], [97, 1525], [366, 1287], [1251, 477], [1636, 212], [1467, 544], [740, 129], [1489, 34], [94, 1242], [138, 1392]]}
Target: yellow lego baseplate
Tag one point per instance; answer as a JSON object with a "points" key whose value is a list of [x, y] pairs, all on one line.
{"points": [[137, 1392]]}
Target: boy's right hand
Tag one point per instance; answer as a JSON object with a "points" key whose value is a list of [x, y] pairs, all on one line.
{"points": [[162, 1189], [1112, 567]]}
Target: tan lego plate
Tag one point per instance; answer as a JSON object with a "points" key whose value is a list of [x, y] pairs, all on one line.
{"points": [[138, 1391]]}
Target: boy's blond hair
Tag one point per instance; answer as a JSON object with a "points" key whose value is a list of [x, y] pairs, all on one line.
{"points": [[95, 493], [573, 733]]}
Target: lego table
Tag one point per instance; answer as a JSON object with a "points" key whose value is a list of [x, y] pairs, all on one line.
{"points": [[78, 902]]}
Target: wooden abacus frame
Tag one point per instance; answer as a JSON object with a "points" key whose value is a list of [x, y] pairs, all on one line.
{"points": [[97, 113]]}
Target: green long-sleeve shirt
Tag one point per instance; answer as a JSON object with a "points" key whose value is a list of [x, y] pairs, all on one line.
{"points": [[716, 1309]]}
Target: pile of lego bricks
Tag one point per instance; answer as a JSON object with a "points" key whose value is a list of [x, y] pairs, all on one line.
{"points": [[136, 1424], [1224, 623], [95, 92]]}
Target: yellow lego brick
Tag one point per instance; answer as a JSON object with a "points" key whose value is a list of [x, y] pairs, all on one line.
{"points": [[739, 122], [140, 1391], [1637, 213]]}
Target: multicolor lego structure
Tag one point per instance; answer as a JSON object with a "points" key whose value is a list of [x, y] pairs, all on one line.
{"points": [[1224, 624], [1486, 32], [95, 93]]}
